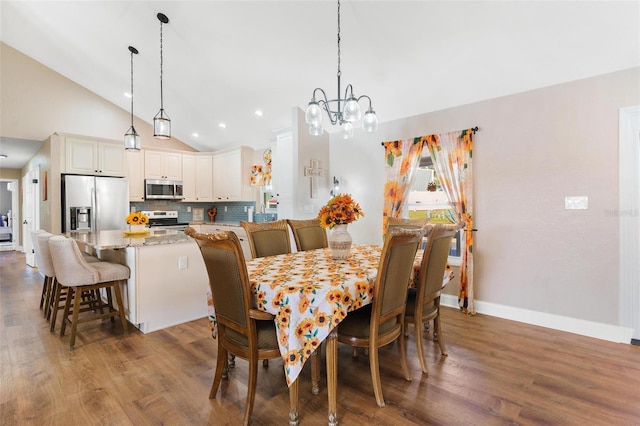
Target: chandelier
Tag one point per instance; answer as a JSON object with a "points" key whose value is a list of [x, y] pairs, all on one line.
{"points": [[131, 138], [343, 111], [161, 122]]}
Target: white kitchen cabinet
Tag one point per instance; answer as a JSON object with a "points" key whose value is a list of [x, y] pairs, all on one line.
{"points": [[212, 228], [162, 165], [231, 175], [189, 177], [88, 156], [135, 174], [197, 177]]}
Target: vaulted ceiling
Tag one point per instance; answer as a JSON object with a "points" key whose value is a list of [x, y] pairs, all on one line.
{"points": [[223, 60]]}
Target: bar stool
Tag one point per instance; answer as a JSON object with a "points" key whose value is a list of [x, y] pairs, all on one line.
{"points": [[77, 275], [45, 265]]}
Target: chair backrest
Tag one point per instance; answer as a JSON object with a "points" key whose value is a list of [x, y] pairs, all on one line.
{"points": [[308, 234], [43, 254], [228, 278], [70, 267], [434, 262], [394, 272], [268, 238]]}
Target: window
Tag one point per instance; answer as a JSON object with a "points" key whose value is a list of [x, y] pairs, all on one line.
{"points": [[428, 200]]}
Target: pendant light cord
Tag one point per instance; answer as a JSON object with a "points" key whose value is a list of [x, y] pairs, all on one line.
{"points": [[339, 72], [161, 62], [131, 88]]}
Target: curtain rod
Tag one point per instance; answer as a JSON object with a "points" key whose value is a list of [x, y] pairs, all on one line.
{"points": [[473, 129]]}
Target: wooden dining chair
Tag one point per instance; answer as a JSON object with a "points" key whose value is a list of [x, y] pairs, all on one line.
{"points": [[243, 331], [268, 238], [308, 234], [382, 321], [423, 301]]}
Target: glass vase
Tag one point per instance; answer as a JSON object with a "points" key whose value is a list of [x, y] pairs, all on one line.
{"points": [[339, 242]]}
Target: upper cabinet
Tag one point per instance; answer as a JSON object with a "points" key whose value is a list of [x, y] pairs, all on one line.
{"points": [[87, 156], [162, 165], [197, 177], [231, 175], [135, 173]]}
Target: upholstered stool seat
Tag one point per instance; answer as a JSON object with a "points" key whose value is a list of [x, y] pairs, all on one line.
{"points": [[78, 275]]}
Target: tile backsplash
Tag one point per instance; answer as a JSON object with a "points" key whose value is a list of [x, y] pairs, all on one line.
{"points": [[230, 212]]}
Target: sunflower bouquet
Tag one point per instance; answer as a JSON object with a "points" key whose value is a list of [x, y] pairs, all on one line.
{"points": [[340, 210], [137, 218]]}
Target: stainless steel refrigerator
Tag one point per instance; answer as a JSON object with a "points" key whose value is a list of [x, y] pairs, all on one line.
{"points": [[93, 203]]}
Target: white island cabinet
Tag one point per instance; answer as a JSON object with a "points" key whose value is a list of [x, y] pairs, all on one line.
{"points": [[169, 281]]}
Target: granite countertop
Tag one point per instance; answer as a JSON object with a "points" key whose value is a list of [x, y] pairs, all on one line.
{"points": [[103, 240], [236, 224]]}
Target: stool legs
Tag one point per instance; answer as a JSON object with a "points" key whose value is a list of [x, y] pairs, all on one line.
{"points": [[74, 296]]}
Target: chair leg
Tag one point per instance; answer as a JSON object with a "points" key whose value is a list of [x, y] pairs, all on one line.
{"points": [[374, 366], [45, 284], [423, 362], [403, 357], [47, 297], [251, 389], [71, 295], [221, 365], [76, 312], [121, 313], [54, 306], [438, 331]]}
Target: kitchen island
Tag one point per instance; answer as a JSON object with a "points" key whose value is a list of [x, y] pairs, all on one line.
{"points": [[169, 281]]}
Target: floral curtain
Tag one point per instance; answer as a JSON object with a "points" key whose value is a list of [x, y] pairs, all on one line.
{"points": [[452, 154], [401, 161]]}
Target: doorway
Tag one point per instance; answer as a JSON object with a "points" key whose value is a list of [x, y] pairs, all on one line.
{"points": [[9, 214], [629, 218], [30, 212]]}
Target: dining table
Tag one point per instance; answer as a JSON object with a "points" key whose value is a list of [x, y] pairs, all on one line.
{"points": [[310, 293]]}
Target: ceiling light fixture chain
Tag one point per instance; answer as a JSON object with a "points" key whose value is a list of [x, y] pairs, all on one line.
{"points": [[339, 114], [161, 122], [131, 138]]}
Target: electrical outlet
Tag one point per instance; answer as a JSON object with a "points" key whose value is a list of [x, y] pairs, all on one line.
{"points": [[576, 203], [188, 209], [182, 262], [225, 209], [245, 209]]}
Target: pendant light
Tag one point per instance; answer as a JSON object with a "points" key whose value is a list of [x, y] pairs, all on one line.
{"points": [[131, 138], [161, 122], [342, 111]]}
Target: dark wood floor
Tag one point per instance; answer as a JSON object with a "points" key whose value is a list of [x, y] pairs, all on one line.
{"points": [[497, 372]]}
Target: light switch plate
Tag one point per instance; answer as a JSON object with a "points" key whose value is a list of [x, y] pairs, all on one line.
{"points": [[576, 203]]}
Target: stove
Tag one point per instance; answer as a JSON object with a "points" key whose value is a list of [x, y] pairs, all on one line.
{"points": [[167, 219]]}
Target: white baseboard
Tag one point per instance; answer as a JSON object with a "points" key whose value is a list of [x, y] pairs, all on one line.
{"points": [[609, 332]]}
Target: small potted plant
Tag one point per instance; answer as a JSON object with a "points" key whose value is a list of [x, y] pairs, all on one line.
{"points": [[137, 222], [339, 211]]}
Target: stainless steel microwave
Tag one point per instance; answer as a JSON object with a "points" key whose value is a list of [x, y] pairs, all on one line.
{"points": [[161, 189]]}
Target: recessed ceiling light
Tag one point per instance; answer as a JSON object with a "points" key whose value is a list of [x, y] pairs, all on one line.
{"points": [[3, 155], [222, 125], [128, 95], [259, 113], [195, 135]]}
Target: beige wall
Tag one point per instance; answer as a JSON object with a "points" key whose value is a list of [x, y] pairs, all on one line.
{"points": [[531, 151]]}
